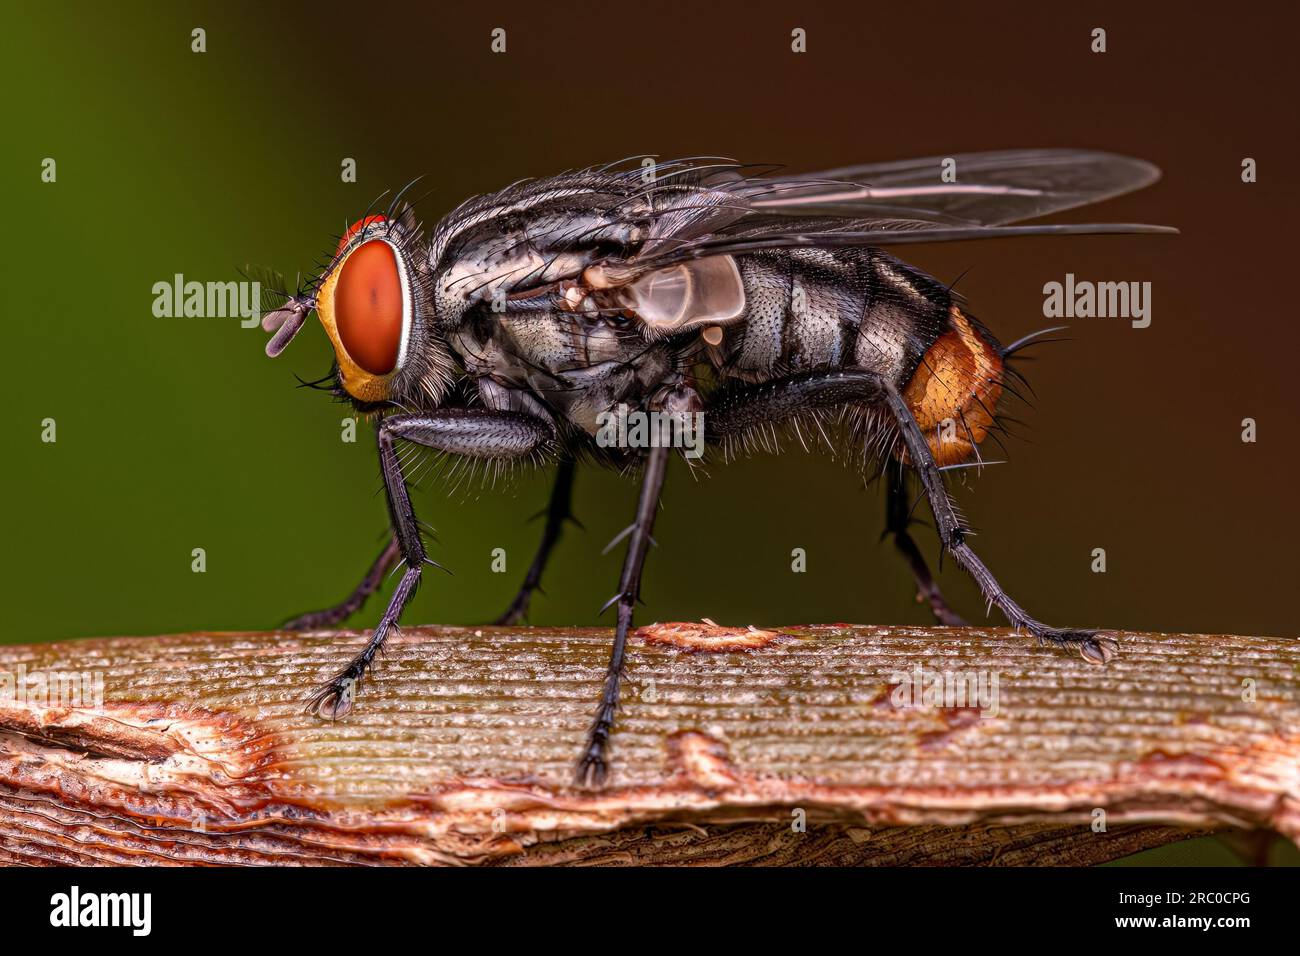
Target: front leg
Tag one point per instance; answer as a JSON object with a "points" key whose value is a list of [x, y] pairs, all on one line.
{"points": [[473, 433], [592, 766]]}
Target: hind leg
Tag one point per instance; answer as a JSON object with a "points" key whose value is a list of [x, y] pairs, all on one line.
{"points": [[757, 407], [1094, 645]]}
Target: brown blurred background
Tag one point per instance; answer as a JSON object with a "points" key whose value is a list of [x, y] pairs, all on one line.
{"points": [[179, 433]]}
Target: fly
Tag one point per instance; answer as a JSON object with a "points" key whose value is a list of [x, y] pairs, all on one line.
{"points": [[523, 319]]}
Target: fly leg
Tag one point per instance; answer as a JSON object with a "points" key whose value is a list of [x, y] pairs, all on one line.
{"points": [[1094, 645], [592, 766], [473, 433], [898, 517], [557, 512], [758, 406], [374, 579]]}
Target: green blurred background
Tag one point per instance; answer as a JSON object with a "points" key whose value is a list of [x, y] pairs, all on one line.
{"points": [[175, 434]]}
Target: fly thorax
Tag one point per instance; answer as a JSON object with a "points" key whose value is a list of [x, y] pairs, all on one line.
{"points": [[587, 395], [492, 273]]}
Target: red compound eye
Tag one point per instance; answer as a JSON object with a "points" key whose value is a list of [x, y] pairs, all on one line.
{"points": [[355, 228], [368, 307]]}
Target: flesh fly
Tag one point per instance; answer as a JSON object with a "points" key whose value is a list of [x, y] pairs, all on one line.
{"points": [[515, 326]]}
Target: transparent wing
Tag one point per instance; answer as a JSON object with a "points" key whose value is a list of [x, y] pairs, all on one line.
{"points": [[703, 208], [991, 188], [867, 233], [886, 204]]}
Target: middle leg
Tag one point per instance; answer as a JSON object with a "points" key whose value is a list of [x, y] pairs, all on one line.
{"points": [[557, 512], [592, 766]]}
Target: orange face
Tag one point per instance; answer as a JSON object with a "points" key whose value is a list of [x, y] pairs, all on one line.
{"points": [[364, 306]]}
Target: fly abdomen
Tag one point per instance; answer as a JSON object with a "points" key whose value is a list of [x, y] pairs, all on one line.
{"points": [[827, 294], [947, 365], [820, 308], [802, 310], [861, 308], [906, 312]]}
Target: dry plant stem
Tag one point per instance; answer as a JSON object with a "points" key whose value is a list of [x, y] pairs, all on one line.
{"points": [[461, 747]]}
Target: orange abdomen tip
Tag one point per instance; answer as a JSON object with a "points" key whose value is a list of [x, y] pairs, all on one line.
{"points": [[954, 390]]}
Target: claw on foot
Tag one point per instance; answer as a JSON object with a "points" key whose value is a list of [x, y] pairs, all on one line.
{"points": [[1100, 648], [333, 701], [591, 771], [1095, 647]]}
